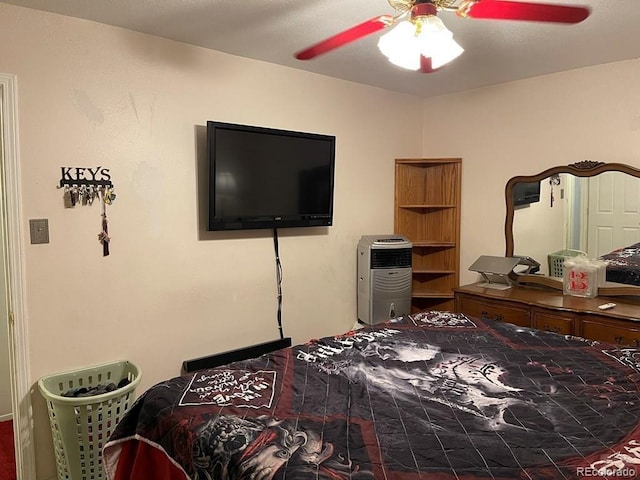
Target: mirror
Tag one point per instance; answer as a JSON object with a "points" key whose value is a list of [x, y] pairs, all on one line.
{"points": [[586, 207]]}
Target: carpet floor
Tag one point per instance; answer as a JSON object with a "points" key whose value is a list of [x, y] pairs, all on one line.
{"points": [[7, 452]]}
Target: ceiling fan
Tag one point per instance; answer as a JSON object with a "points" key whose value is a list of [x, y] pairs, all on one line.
{"points": [[419, 39]]}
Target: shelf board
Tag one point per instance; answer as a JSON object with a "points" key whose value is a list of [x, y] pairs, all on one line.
{"points": [[432, 295], [426, 207], [427, 162], [432, 271], [432, 244]]}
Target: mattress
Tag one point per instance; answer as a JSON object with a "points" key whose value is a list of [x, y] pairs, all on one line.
{"points": [[623, 265], [433, 395]]}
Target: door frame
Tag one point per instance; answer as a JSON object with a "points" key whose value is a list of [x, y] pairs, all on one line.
{"points": [[10, 188]]}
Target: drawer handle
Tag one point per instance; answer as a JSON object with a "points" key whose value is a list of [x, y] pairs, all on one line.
{"points": [[499, 317], [547, 328], [620, 340]]}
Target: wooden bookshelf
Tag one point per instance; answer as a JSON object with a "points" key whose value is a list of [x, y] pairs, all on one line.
{"points": [[427, 212]]}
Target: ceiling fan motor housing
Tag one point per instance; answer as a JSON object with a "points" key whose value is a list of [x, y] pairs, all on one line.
{"points": [[424, 10]]}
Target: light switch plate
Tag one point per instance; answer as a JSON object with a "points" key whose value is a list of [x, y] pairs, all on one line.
{"points": [[39, 229]]}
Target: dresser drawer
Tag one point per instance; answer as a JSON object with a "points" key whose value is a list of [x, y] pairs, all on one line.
{"points": [[556, 322], [500, 311], [549, 309], [611, 331]]}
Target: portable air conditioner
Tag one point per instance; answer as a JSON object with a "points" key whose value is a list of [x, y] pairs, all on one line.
{"points": [[384, 277]]}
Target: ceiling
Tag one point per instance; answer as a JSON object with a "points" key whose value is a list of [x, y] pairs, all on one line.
{"points": [[274, 30]]}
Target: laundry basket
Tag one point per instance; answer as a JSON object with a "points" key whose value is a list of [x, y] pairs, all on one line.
{"points": [[80, 426], [556, 261]]}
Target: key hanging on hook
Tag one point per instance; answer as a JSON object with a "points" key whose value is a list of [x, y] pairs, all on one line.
{"points": [[103, 236], [66, 198]]}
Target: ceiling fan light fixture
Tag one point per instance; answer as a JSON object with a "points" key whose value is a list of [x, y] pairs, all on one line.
{"points": [[447, 52], [436, 41], [424, 35], [430, 25], [399, 41], [406, 61]]}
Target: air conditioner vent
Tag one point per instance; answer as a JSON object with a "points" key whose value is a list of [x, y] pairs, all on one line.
{"points": [[391, 258]]}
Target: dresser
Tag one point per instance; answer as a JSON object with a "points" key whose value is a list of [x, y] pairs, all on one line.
{"points": [[550, 310]]}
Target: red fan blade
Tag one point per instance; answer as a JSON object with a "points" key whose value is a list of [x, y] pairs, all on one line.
{"points": [[425, 65], [534, 12], [350, 35]]}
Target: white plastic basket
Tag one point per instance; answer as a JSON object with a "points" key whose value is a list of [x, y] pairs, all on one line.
{"points": [[556, 261], [80, 426]]}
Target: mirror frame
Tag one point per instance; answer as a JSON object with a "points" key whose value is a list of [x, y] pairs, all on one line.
{"points": [[585, 168]]}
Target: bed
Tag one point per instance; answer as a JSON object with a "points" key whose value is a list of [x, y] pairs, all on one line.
{"points": [[434, 395], [623, 265]]}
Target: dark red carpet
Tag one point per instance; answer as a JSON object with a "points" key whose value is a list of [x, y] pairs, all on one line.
{"points": [[7, 452]]}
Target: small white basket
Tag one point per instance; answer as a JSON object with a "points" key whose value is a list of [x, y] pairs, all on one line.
{"points": [[556, 261], [80, 426]]}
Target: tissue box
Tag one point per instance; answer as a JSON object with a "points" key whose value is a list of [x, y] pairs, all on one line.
{"points": [[582, 277]]}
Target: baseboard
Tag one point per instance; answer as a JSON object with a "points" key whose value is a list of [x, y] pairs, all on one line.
{"points": [[7, 417], [219, 359]]}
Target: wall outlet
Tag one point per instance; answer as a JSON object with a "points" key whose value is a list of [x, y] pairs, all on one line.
{"points": [[39, 229]]}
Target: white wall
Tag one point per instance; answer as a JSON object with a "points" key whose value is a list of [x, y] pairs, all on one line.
{"points": [[539, 228], [524, 127], [91, 95]]}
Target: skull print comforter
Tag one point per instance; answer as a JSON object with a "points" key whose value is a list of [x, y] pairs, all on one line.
{"points": [[434, 395]]}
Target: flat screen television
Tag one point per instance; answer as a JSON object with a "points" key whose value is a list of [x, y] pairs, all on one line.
{"points": [[526, 193], [267, 178]]}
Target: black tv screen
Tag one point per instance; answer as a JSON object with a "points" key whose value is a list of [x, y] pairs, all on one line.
{"points": [[526, 193], [267, 178]]}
